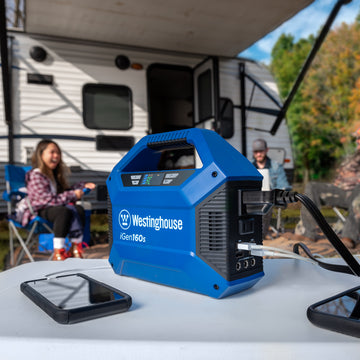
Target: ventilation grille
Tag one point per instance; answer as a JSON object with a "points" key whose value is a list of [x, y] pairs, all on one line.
{"points": [[213, 231]]}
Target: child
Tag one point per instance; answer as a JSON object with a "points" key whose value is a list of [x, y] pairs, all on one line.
{"points": [[51, 198]]}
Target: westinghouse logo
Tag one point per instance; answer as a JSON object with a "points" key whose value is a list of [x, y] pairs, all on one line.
{"points": [[124, 219], [158, 223]]}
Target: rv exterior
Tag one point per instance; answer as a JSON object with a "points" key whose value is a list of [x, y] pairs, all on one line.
{"points": [[96, 76], [98, 100]]}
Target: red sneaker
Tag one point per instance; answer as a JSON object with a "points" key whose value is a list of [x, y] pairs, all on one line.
{"points": [[75, 250], [59, 254]]}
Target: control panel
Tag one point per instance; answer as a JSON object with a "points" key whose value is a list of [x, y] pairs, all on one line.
{"points": [[159, 178]]}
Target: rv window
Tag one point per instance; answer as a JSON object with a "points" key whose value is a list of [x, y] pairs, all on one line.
{"points": [[226, 118], [107, 107], [170, 90], [205, 96]]}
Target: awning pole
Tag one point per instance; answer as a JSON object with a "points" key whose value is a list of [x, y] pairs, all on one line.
{"points": [[6, 79]]}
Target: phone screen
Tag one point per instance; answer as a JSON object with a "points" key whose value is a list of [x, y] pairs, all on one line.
{"points": [[340, 313], [73, 298], [73, 291], [346, 305]]}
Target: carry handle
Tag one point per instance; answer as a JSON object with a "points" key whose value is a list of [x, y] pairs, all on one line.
{"points": [[170, 144]]}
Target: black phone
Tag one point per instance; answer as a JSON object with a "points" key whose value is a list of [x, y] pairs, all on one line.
{"points": [[73, 298], [340, 313]]}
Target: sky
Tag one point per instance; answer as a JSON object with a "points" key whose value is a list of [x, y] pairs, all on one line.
{"points": [[306, 22]]}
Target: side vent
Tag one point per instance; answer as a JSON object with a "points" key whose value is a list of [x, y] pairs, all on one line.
{"points": [[217, 231], [213, 227]]}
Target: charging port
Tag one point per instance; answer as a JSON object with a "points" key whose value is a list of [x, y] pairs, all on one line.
{"points": [[253, 262], [238, 266], [246, 264], [240, 254]]}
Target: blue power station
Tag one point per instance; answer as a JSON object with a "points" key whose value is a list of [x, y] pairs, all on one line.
{"points": [[176, 214]]}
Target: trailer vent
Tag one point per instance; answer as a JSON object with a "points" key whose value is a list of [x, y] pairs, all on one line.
{"points": [[40, 79], [114, 143]]}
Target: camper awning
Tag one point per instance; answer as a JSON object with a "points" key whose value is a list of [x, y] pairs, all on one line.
{"points": [[209, 27]]}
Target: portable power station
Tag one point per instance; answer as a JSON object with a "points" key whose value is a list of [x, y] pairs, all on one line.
{"points": [[176, 213]]}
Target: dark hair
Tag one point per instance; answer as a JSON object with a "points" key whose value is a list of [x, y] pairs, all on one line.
{"points": [[59, 174]]}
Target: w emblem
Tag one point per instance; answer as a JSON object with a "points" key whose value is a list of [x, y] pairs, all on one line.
{"points": [[124, 219]]}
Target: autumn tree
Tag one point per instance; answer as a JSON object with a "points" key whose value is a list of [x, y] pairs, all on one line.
{"points": [[329, 89], [325, 108], [355, 92]]}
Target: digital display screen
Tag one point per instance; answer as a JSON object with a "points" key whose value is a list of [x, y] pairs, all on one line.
{"points": [[161, 178], [152, 179]]}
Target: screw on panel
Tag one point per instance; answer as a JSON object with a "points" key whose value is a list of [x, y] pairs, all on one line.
{"points": [[214, 174]]}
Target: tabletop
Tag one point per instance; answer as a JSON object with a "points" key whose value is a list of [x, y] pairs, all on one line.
{"points": [[267, 321]]}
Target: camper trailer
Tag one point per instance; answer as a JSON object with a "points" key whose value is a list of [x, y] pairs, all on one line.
{"points": [[97, 101], [97, 91]]}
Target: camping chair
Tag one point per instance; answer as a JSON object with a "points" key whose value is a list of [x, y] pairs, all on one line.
{"points": [[14, 193]]}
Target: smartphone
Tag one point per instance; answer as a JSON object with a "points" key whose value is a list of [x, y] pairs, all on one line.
{"points": [[73, 298], [340, 313]]}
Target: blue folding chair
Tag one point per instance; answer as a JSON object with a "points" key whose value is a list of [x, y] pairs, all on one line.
{"points": [[14, 193]]}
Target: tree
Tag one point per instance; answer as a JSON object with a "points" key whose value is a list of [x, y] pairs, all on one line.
{"points": [[327, 103], [287, 57], [329, 89]]}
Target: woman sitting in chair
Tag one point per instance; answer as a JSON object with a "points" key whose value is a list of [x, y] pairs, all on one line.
{"points": [[51, 198]]}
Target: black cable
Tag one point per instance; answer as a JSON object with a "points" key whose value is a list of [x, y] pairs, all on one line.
{"points": [[332, 267], [256, 201], [330, 234]]}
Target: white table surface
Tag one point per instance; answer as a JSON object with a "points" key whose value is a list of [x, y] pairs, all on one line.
{"points": [[267, 321]]}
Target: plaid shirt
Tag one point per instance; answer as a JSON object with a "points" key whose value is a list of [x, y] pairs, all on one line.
{"points": [[42, 194]]}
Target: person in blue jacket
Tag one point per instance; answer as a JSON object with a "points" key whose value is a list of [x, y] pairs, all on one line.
{"points": [[278, 179]]}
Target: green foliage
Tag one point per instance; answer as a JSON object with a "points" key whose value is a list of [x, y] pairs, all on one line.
{"points": [[287, 59], [327, 104]]}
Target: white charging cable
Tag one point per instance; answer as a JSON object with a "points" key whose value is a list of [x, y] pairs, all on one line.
{"points": [[261, 250]]}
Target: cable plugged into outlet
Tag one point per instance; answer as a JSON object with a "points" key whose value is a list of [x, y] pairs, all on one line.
{"points": [[261, 250], [260, 202]]}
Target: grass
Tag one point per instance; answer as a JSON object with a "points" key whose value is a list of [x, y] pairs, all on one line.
{"points": [[291, 215], [99, 223], [4, 242]]}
